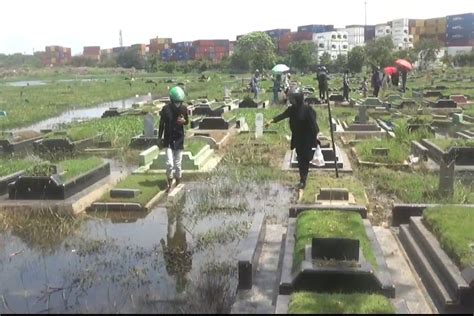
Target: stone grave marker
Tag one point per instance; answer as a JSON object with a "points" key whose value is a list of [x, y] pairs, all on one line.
{"points": [[340, 249], [3, 114], [446, 178], [362, 117], [226, 92], [149, 126], [445, 103], [457, 118], [380, 152], [259, 125], [372, 101]]}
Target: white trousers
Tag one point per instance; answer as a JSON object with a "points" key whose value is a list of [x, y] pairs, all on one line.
{"points": [[173, 163]]}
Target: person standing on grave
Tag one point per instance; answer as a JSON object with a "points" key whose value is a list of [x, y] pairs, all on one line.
{"points": [[404, 79], [396, 79], [276, 88], [346, 85], [173, 118], [323, 84], [376, 82], [304, 131], [255, 84]]}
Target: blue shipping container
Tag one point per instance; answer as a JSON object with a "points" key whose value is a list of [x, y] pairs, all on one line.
{"points": [[460, 17]]}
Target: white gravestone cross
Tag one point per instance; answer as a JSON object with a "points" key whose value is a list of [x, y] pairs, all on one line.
{"points": [[259, 125]]}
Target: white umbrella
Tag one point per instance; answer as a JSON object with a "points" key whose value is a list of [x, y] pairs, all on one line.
{"points": [[280, 68]]}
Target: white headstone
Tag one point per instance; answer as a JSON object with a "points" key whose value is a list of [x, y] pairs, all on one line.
{"points": [[226, 92], [259, 125], [149, 126]]}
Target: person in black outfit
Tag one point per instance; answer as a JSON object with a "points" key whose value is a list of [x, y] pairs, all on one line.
{"points": [[404, 79], [345, 85], [173, 117], [323, 84], [304, 131], [376, 82]]}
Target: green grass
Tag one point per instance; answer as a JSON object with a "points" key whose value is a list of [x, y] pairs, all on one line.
{"points": [[315, 183], [75, 133], [397, 153], [447, 143], [194, 146], [327, 224], [76, 167], [149, 186], [454, 229], [315, 303], [414, 187], [10, 166]]}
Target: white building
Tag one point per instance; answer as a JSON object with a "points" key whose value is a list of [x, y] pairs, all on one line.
{"points": [[335, 43], [355, 35], [382, 30], [400, 32]]}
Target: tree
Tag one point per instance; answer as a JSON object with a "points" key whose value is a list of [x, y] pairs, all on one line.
{"points": [[356, 59], [255, 50], [427, 49], [131, 58], [169, 67], [325, 60], [301, 55], [81, 61], [379, 52], [340, 64]]}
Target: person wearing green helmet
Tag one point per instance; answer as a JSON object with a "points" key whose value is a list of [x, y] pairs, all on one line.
{"points": [[173, 117], [304, 130]]}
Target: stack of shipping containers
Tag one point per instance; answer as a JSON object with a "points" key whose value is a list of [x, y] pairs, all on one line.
{"points": [[288, 38], [382, 30], [140, 48], [213, 50], [92, 52], [355, 35], [416, 28], [183, 51], [401, 37], [335, 43], [434, 29], [159, 44], [316, 28], [57, 55], [276, 35], [460, 33]]}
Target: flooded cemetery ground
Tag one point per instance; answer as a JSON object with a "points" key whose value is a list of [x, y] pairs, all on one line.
{"points": [[198, 248]]}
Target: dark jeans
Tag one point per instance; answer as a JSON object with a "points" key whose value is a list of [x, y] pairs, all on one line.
{"points": [[303, 166], [376, 91], [346, 93]]}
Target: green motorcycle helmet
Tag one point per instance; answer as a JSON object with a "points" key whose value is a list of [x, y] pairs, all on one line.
{"points": [[177, 94]]}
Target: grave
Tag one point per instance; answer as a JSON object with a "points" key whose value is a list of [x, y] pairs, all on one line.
{"points": [[433, 94], [207, 110], [216, 123], [63, 144], [149, 137], [372, 102], [463, 156], [334, 265], [459, 99], [124, 193], [329, 158], [114, 111], [444, 104], [337, 98], [380, 152], [333, 196], [19, 144], [52, 187], [250, 103]]}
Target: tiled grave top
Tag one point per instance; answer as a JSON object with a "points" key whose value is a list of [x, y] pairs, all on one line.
{"points": [[371, 101], [460, 99]]}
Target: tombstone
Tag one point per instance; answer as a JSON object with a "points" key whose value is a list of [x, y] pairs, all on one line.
{"points": [[445, 103], [226, 92], [381, 152], [149, 126], [457, 118], [3, 114], [446, 178], [372, 102], [259, 125], [362, 117]]}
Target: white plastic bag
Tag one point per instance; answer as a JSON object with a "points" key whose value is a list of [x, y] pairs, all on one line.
{"points": [[318, 158]]}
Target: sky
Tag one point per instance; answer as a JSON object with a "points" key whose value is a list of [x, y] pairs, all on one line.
{"points": [[30, 25]]}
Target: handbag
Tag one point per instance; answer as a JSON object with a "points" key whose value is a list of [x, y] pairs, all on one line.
{"points": [[318, 158]]}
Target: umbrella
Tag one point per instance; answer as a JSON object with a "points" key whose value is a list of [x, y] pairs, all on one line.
{"points": [[404, 63], [280, 68], [390, 70]]}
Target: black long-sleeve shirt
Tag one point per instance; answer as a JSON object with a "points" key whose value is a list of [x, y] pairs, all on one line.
{"points": [[304, 128], [170, 131]]}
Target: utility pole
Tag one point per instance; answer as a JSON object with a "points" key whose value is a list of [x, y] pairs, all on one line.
{"points": [[365, 6], [120, 39]]}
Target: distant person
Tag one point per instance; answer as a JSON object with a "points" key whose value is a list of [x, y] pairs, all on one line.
{"points": [[173, 117], [255, 84], [286, 86], [404, 79], [277, 80], [365, 87], [323, 78], [376, 82], [346, 85], [396, 79], [304, 131]]}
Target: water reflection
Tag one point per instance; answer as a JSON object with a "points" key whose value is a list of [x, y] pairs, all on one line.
{"points": [[178, 258], [26, 83]]}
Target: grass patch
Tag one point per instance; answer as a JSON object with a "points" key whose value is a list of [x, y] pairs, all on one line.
{"points": [[397, 152], [149, 186], [315, 183], [194, 146], [315, 303], [75, 133], [327, 224], [76, 167], [447, 143], [10, 166], [454, 229], [414, 187]]}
